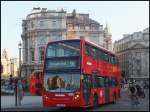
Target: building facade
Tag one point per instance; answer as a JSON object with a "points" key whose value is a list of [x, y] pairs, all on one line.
{"points": [[39, 28], [10, 65], [42, 26], [81, 25], [107, 38], [133, 54]]}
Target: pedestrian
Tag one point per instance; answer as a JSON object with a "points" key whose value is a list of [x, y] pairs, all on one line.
{"points": [[133, 95], [24, 84], [140, 91], [20, 91]]}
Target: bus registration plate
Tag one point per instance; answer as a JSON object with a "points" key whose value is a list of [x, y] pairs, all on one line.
{"points": [[60, 105]]}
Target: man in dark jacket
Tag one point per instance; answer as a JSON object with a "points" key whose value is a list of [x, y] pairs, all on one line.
{"points": [[133, 95], [140, 92]]}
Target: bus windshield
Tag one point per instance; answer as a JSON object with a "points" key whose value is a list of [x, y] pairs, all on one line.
{"points": [[63, 49], [61, 82]]}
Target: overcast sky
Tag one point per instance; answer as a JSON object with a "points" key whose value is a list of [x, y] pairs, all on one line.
{"points": [[122, 16]]}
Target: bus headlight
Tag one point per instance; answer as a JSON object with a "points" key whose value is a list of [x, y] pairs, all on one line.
{"points": [[45, 97], [76, 96]]}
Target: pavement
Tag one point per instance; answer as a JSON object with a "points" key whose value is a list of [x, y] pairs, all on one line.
{"points": [[27, 102], [35, 103]]}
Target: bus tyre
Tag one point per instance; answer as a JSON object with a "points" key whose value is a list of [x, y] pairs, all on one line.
{"points": [[114, 99], [37, 93], [95, 101]]}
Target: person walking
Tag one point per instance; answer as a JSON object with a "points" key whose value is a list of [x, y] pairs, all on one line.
{"points": [[20, 91], [133, 95], [140, 91]]}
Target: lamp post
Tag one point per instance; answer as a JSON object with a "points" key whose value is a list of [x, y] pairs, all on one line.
{"points": [[19, 46], [11, 67]]}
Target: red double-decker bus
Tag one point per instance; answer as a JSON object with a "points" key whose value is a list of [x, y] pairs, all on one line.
{"points": [[78, 73], [36, 82]]}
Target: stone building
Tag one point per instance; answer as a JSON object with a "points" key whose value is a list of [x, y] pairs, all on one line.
{"points": [[39, 28], [107, 38], [42, 26], [81, 25], [133, 53], [10, 65]]}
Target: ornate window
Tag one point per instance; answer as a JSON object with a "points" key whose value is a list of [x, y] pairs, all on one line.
{"points": [[70, 26], [32, 54], [41, 53], [94, 27], [41, 23], [56, 36], [82, 27], [54, 23], [32, 24]]}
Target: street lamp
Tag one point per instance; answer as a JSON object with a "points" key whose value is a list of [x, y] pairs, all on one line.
{"points": [[12, 64], [19, 46]]}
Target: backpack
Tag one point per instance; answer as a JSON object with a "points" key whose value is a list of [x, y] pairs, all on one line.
{"points": [[133, 90]]}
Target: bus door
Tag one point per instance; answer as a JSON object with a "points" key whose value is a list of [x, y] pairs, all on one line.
{"points": [[86, 85], [107, 91]]}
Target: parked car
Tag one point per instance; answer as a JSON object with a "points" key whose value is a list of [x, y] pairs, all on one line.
{"points": [[2, 81], [7, 90]]}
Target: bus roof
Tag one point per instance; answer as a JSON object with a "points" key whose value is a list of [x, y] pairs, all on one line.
{"points": [[102, 48], [63, 41]]}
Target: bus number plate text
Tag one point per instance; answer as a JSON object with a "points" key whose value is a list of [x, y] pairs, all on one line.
{"points": [[60, 105]]}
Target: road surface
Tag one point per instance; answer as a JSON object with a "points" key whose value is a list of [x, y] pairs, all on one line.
{"points": [[34, 103]]}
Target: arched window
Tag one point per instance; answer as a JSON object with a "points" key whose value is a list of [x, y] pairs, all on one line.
{"points": [[32, 24], [41, 23], [32, 54], [41, 53]]}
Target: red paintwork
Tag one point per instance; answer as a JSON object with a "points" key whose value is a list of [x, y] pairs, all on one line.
{"points": [[34, 80], [52, 100], [104, 69]]}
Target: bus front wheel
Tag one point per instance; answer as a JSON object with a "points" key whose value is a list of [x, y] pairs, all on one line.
{"points": [[95, 101], [114, 98]]}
